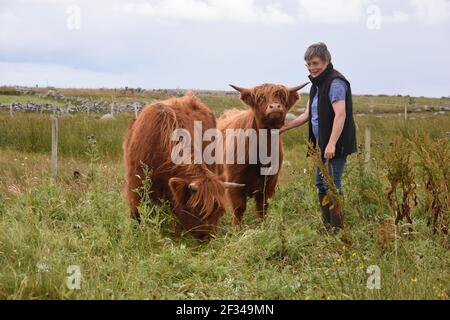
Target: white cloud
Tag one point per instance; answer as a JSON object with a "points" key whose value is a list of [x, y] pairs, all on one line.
{"points": [[432, 11], [31, 74], [209, 43], [333, 12], [8, 22], [46, 2], [245, 11], [7, 16], [338, 12], [397, 17]]}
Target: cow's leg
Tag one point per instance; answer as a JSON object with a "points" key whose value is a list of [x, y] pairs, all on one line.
{"points": [[239, 213], [262, 197], [239, 204], [133, 200], [261, 205], [178, 227], [134, 214]]}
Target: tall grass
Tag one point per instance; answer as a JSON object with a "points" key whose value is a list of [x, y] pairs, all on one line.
{"points": [[32, 133], [52, 225], [48, 225]]}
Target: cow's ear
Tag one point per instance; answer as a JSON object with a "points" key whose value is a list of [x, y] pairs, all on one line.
{"points": [[246, 95], [293, 94], [248, 99], [180, 190], [292, 99]]}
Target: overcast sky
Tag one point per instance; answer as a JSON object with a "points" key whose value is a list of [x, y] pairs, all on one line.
{"points": [[383, 47]]}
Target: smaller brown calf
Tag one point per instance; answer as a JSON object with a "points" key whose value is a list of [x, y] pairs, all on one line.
{"points": [[267, 105]]}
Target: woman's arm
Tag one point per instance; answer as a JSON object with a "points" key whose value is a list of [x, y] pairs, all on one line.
{"points": [[301, 120], [338, 126], [337, 95]]}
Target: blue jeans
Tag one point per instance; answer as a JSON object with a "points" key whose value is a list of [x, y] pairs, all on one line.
{"points": [[336, 169]]}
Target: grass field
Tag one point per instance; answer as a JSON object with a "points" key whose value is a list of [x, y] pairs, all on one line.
{"points": [[47, 225]]}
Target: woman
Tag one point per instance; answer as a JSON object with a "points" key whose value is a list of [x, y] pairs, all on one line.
{"points": [[331, 125]]}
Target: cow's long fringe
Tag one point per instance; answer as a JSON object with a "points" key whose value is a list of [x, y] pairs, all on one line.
{"points": [[270, 91], [203, 198], [210, 194]]}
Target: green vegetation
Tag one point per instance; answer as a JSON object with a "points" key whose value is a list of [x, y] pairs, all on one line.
{"points": [[47, 226]]}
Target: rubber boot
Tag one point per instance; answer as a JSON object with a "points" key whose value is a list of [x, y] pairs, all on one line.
{"points": [[336, 220], [326, 216]]}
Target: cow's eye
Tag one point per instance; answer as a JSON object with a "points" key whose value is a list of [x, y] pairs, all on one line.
{"points": [[261, 99], [280, 96]]}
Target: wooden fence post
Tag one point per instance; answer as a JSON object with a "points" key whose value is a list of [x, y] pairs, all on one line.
{"points": [[135, 110], [406, 111], [371, 106], [54, 162], [11, 110], [367, 143]]}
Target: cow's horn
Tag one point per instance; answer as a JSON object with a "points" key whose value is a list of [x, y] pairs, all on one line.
{"points": [[229, 185], [193, 186], [237, 88], [299, 87]]}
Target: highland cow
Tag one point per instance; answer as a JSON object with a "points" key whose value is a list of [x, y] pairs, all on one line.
{"points": [[195, 192], [267, 105]]}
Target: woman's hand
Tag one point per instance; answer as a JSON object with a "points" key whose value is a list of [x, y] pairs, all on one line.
{"points": [[330, 151], [293, 124], [301, 120], [284, 129]]}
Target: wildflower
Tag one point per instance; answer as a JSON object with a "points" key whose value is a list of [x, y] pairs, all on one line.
{"points": [[76, 226], [42, 267]]}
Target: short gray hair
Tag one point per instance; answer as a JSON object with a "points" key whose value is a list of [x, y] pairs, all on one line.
{"points": [[318, 50]]}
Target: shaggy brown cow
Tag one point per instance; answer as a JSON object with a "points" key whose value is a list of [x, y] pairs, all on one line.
{"points": [[268, 105], [195, 192]]}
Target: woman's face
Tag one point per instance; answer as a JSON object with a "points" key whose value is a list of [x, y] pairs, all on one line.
{"points": [[316, 66]]}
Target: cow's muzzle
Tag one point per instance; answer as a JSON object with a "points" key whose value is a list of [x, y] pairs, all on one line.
{"points": [[275, 111]]}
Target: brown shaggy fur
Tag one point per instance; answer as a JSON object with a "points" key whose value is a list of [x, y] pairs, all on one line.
{"points": [[256, 116], [148, 141]]}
